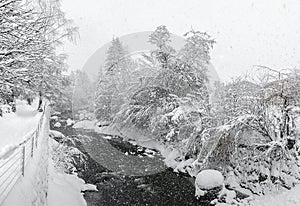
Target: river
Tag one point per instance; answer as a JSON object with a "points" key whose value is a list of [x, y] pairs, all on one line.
{"points": [[134, 176]]}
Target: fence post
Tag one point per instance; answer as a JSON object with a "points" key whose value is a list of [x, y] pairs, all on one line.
{"points": [[23, 160], [36, 137], [32, 145], [41, 121]]}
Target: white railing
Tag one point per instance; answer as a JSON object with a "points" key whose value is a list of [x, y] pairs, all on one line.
{"points": [[14, 162]]}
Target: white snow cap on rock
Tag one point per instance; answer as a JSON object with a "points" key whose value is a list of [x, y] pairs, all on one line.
{"points": [[208, 179], [57, 124], [70, 122], [54, 133]]}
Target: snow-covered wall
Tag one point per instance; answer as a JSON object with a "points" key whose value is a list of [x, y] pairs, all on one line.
{"points": [[32, 189]]}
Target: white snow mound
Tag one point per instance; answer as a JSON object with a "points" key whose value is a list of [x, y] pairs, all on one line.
{"points": [[57, 134], [208, 179], [70, 122]]}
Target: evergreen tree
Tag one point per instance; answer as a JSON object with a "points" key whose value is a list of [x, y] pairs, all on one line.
{"points": [[160, 38], [103, 98], [112, 86], [196, 51], [83, 92]]}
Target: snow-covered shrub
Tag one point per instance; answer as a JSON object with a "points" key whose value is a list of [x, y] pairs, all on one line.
{"points": [[256, 162], [148, 106], [66, 157], [218, 145], [265, 167], [6, 108], [165, 117]]}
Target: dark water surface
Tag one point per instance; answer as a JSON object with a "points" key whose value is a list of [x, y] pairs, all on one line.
{"points": [[127, 174], [134, 176]]}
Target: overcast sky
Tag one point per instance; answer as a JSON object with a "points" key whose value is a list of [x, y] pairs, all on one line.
{"points": [[248, 32]]}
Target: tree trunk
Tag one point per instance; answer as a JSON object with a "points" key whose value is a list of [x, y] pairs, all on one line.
{"points": [[12, 102], [29, 101], [40, 109], [284, 123]]}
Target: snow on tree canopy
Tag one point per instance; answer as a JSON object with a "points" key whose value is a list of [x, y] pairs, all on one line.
{"points": [[208, 179]]}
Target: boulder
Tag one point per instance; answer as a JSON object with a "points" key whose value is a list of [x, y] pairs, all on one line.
{"points": [[209, 179], [209, 184]]}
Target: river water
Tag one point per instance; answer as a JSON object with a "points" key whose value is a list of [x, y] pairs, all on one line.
{"points": [[133, 176]]}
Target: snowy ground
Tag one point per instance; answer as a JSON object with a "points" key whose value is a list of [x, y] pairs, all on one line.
{"points": [[64, 189], [287, 198], [92, 125], [41, 178], [29, 188], [16, 127]]}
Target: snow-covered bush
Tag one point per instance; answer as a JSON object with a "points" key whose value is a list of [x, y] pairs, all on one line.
{"points": [[165, 117], [6, 108], [262, 168], [66, 157], [254, 162], [254, 137]]}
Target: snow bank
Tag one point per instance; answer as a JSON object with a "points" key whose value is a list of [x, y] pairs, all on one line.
{"points": [[288, 198], [16, 127], [24, 109], [43, 184], [85, 124], [89, 187], [93, 125], [32, 189], [56, 134], [65, 189]]}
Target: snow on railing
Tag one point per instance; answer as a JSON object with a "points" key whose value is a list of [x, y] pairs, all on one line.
{"points": [[13, 164]]}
